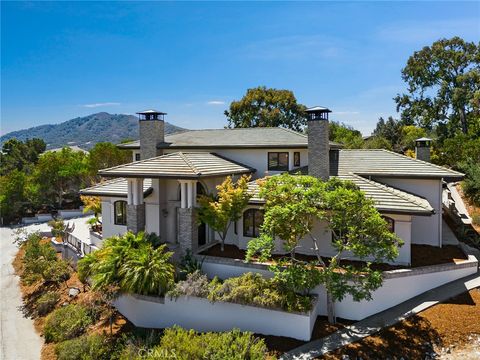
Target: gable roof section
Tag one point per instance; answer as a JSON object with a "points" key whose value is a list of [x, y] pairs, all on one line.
{"points": [[380, 162], [115, 188], [232, 138], [179, 165]]}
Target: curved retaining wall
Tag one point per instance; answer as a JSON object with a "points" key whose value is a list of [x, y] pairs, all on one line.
{"points": [[398, 285], [202, 315]]}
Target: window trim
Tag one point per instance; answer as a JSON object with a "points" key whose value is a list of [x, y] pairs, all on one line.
{"points": [[277, 167], [296, 158], [115, 216], [255, 211]]}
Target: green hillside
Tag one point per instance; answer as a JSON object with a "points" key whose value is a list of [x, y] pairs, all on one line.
{"points": [[86, 131]]}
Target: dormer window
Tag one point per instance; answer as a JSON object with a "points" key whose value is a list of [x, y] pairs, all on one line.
{"points": [[278, 161]]}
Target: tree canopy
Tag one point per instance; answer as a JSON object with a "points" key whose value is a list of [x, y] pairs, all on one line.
{"points": [[294, 204], [221, 210], [267, 107], [443, 87]]}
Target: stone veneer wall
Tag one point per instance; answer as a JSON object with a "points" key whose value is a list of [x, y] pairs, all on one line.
{"points": [[136, 218], [187, 230], [318, 149], [422, 153], [152, 132]]}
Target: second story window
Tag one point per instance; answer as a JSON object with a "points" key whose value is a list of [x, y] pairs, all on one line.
{"points": [[296, 158], [137, 157], [252, 221], [278, 161], [120, 212]]}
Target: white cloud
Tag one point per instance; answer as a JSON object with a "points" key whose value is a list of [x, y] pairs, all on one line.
{"points": [[216, 102], [101, 104]]}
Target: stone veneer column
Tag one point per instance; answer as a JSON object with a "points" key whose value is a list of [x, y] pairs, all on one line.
{"points": [[152, 132], [135, 206], [136, 218], [187, 229], [318, 149]]}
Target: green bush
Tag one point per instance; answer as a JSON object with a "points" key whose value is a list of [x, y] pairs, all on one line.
{"points": [[476, 218], [66, 323], [91, 347], [471, 183], [247, 289], [46, 303], [178, 343]]}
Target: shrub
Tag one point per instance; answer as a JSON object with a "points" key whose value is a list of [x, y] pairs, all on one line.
{"points": [[66, 323], [46, 302], [131, 263], [476, 218], [91, 347], [179, 343], [58, 227], [196, 284], [190, 264], [471, 183]]}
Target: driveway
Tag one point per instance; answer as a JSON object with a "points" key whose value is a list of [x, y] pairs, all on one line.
{"points": [[18, 338]]}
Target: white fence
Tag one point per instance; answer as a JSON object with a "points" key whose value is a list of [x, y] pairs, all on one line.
{"points": [[202, 315]]}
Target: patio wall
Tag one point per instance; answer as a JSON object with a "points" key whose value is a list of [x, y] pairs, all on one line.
{"points": [[202, 315], [398, 285]]}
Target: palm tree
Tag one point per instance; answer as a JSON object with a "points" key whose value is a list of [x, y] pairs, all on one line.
{"points": [[147, 271]]}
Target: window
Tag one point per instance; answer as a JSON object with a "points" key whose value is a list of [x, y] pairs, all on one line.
{"points": [[137, 157], [390, 222], [296, 158], [278, 161], [235, 228], [252, 221], [120, 213]]}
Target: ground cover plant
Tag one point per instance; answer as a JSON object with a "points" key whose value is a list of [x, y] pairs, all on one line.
{"points": [[248, 289]]}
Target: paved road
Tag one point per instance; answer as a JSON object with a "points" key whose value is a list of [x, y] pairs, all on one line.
{"points": [[18, 338], [19, 341]]}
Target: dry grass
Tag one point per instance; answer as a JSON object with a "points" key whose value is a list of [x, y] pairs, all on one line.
{"points": [[472, 209]]}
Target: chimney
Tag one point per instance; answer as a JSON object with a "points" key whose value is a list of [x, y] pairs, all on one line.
{"points": [[422, 149], [318, 143], [152, 132]]}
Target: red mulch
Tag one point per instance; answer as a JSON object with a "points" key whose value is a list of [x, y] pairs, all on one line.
{"points": [[422, 255]]}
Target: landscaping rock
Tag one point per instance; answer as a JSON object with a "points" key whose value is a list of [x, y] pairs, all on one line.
{"points": [[73, 292]]}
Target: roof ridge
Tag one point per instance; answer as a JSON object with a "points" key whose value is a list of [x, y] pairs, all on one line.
{"points": [[421, 161], [188, 162], [400, 193]]}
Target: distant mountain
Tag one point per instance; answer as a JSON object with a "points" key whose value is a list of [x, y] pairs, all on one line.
{"points": [[86, 131]]}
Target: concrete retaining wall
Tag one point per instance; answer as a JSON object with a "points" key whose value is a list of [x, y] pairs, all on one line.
{"points": [[202, 315], [398, 285]]}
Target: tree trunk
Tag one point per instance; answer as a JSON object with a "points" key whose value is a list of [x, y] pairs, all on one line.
{"points": [[463, 120], [332, 319], [317, 250]]}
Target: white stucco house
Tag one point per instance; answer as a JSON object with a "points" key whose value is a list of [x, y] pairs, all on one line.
{"points": [[157, 193]]}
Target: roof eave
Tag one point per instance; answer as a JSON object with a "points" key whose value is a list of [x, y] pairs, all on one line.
{"points": [[173, 176], [412, 176]]}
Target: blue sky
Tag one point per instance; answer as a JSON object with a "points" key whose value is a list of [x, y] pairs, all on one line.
{"points": [[191, 59]]}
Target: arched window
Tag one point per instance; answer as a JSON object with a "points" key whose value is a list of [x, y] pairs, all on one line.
{"points": [[120, 212], [390, 222], [252, 221]]}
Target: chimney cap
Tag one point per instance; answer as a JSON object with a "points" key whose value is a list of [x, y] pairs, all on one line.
{"points": [[150, 112], [318, 109]]}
